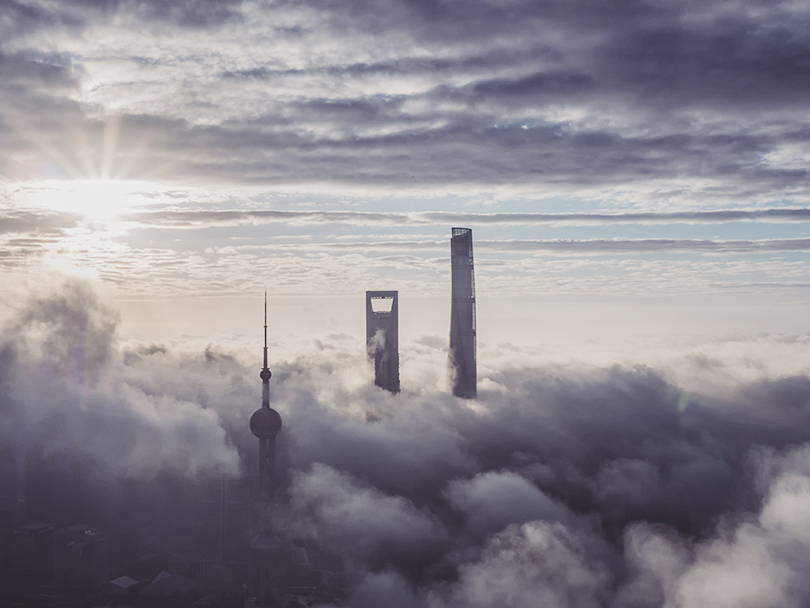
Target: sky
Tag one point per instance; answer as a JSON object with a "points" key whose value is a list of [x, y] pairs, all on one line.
{"points": [[635, 176], [613, 159]]}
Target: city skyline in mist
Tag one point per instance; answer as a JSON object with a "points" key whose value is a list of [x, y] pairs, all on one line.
{"points": [[635, 176]]}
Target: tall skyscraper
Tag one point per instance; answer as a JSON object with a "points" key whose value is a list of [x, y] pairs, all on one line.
{"points": [[382, 337], [463, 377], [265, 424]]}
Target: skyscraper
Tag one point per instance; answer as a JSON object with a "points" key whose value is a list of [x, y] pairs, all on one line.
{"points": [[265, 424], [382, 337], [463, 377]]}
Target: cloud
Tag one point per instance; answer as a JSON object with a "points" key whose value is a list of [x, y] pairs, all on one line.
{"points": [[222, 217], [740, 47], [656, 559], [66, 395], [650, 245], [559, 98], [44, 69], [577, 485], [362, 522], [28, 234], [522, 566], [581, 247], [42, 222], [756, 559], [493, 500]]}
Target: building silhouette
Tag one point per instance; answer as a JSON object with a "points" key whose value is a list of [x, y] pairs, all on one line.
{"points": [[382, 337], [31, 555], [81, 566], [265, 423], [463, 377], [267, 550]]}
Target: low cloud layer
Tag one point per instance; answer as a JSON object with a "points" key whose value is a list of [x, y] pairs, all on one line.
{"points": [[569, 485], [359, 218], [607, 246], [66, 390]]}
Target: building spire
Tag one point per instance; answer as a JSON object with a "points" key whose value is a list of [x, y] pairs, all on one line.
{"points": [[265, 373], [265, 330], [265, 424]]}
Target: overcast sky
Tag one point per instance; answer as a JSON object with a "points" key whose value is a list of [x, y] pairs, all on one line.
{"points": [[643, 149]]}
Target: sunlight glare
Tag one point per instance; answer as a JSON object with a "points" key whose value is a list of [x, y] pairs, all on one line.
{"points": [[96, 199]]}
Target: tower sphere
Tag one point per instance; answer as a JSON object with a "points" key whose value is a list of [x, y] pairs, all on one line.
{"points": [[265, 423], [265, 374]]}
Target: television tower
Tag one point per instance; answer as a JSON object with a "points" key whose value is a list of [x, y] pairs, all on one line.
{"points": [[265, 423], [266, 548]]}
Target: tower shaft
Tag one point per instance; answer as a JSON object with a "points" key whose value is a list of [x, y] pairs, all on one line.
{"points": [[267, 467], [463, 374], [382, 337]]}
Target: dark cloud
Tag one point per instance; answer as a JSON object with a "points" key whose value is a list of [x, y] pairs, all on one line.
{"points": [[80, 13], [23, 17], [549, 83], [46, 70], [493, 500], [560, 94], [472, 149], [731, 58], [678, 53], [362, 522], [186, 13]]}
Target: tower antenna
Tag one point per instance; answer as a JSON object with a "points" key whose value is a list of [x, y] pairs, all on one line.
{"points": [[265, 329], [265, 424]]}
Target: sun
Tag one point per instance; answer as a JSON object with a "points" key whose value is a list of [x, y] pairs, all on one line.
{"points": [[96, 168], [102, 200]]}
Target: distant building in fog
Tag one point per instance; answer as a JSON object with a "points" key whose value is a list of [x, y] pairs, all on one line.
{"points": [[81, 566], [382, 337], [463, 376], [31, 555]]}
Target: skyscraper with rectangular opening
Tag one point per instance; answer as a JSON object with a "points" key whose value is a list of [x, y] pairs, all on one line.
{"points": [[382, 337], [463, 376]]}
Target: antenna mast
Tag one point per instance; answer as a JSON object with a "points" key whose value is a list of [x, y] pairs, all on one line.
{"points": [[265, 329]]}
